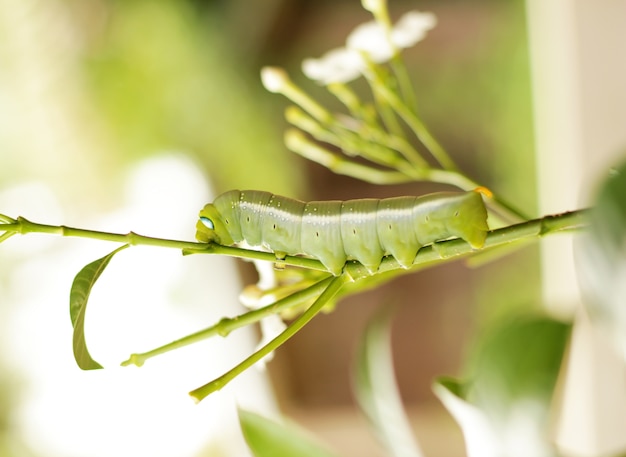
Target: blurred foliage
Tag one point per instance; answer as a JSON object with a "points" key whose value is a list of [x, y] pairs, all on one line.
{"points": [[376, 389], [519, 360], [601, 259], [476, 94], [267, 438], [504, 405], [165, 78]]}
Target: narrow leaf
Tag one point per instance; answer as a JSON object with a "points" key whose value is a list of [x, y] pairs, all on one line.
{"points": [[481, 437], [79, 295], [267, 438], [376, 389]]}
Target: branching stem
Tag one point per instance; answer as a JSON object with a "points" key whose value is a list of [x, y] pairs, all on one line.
{"points": [[329, 292], [228, 324]]}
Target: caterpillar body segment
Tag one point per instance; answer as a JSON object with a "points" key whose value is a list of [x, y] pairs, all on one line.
{"points": [[320, 228], [358, 229], [334, 231]]}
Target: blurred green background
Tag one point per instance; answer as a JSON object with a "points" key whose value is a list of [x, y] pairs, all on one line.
{"points": [[89, 88]]}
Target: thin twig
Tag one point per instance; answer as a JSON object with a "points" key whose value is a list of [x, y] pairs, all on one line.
{"points": [[228, 324]]}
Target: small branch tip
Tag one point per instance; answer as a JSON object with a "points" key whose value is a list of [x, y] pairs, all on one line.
{"points": [[274, 79]]}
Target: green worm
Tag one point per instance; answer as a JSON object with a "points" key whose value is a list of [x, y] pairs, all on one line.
{"points": [[335, 231]]}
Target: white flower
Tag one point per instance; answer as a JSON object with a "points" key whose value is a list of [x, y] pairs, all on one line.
{"points": [[336, 66], [411, 28], [373, 39]]}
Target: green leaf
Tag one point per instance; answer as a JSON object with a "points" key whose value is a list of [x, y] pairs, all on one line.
{"points": [[376, 389], [79, 295], [267, 438], [521, 359], [504, 406], [601, 258]]}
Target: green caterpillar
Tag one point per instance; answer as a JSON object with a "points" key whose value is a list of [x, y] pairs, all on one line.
{"points": [[334, 231]]}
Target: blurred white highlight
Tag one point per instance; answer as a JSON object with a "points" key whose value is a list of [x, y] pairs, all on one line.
{"points": [[145, 298], [255, 297], [519, 434]]}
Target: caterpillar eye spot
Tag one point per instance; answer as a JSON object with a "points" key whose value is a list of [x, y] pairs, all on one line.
{"points": [[248, 219], [274, 226], [456, 214], [208, 223], [389, 226], [354, 231], [427, 219], [317, 234]]}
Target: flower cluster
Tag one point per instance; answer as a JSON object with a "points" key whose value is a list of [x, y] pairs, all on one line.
{"points": [[373, 131], [372, 41]]}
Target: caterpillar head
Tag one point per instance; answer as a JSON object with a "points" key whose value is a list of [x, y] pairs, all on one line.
{"points": [[211, 228]]}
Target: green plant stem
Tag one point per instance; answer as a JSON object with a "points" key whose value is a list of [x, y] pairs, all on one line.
{"points": [[351, 101], [6, 235], [298, 143], [386, 112], [240, 253], [349, 141], [329, 292], [6, 219], [371, 130], [397, 143], [536, 228], [228, 324], [366, 140], [302, 99], [379, 84], [23, 226], [414, 122], [404, 81]]}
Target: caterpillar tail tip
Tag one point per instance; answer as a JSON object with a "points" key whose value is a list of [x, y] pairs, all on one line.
{"points": [[484, 191]]}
